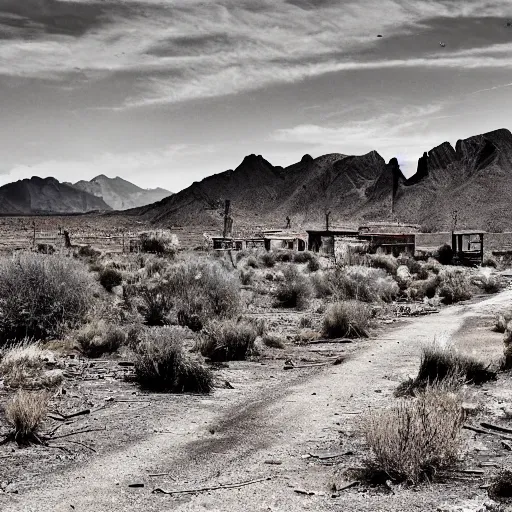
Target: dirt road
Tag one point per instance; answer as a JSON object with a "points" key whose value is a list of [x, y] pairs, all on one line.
{"points": [[268, 434]]}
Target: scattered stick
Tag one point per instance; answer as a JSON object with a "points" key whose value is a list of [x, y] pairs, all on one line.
{"points": [[77, 432], [337, 340], [490, 426], [83, 444], [345, 487], [64, 417], [213, 488], [313, 365], [488, 432]]}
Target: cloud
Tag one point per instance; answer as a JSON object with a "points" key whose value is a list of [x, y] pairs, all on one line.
{"points": [[179, 50]]}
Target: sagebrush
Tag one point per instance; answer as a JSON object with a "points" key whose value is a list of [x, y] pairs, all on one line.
{"points": [[42, 295], [228, 340], [414, 439], [161, 363], [347, 319]]}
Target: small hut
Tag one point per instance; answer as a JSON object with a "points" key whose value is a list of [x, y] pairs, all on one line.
{"points": [[468, 247]]}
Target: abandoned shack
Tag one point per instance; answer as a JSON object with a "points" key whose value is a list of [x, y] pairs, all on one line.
{"points": [[290, 242], [468, 247], [326, 241], [391, 243]]}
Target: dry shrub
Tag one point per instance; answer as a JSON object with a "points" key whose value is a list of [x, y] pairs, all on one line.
{"points": [[25, 412], [305, 322], [502, 320], [247, 276], [99, 338], [422, 288], [441, 365], [158, 243], [313, 265], [284, 256], [489, 283], [252, 262], [161, 363], [202, 291], [41, 296], [24, 365], [414, 266], [500, 488], [273, 341], [295, 291], [322, 284], [155, 266], [445, 254], [303, 257], [490, 261], [348, 319], [454, 286], [412, 440], [268, 259], [385, 262], [154, 304], [365, 284], [228, 340], [110, 278]]}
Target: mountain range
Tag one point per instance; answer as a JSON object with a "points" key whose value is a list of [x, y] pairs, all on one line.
{"points": [[49, 196], [472, 181]]}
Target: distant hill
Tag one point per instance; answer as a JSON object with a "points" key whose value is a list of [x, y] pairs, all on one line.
{"points": [[120, 194], [46, 195], [474, 179]]}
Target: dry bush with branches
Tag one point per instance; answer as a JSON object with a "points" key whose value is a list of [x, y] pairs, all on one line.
{"points": [[25, 412], [98, 338], [348, 319], [443, 365], [455, 286], [42, 295], [364, 283], [294, 291], [161, 363], [228, 340], [414, 439]]}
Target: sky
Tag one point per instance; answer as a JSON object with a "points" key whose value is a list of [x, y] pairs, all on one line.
{"points": [[166, 92]]}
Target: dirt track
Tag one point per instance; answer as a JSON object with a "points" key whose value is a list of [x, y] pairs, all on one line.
{"points": [[231, 442]]}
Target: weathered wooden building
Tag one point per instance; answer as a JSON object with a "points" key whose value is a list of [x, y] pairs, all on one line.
{"points": [[468, 247]]}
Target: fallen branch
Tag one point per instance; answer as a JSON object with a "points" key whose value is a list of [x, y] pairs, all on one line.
{"points": [[488, 432], [83, 444], [496, 427], [64, 417], [312, 365], [334, 340], [77, 432], [213, 488]]}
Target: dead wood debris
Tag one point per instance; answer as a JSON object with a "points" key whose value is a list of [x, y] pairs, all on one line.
{"points": [[212, 488]]}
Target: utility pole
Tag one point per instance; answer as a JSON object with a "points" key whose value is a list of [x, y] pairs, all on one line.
{"points": [[327, 215], [228, 221]]}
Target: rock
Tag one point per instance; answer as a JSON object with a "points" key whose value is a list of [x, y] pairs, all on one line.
{"points": [[118, 290]]}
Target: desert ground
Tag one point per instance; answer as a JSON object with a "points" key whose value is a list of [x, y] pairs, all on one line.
{"points": [[251, 381]]}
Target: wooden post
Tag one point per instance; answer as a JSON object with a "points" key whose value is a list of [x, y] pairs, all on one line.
{"points": [[34, 233]]}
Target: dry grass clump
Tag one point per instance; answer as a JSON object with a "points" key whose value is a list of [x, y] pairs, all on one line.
{"points": [[25, 412], [322, 284], [295, 291], [303, 257], [158, 243], [385, 262], [348, 319], [201, 291], [454, 286], [414, 439], [99, 338], [365, 284], [228, 340], [24, 365], [273, 341], [502, 320], [313, 265], [161, 363], [110, 278], [444, 366], [42, 295], [247, 276], [500, 488], [268, 259], [445, 254]]}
